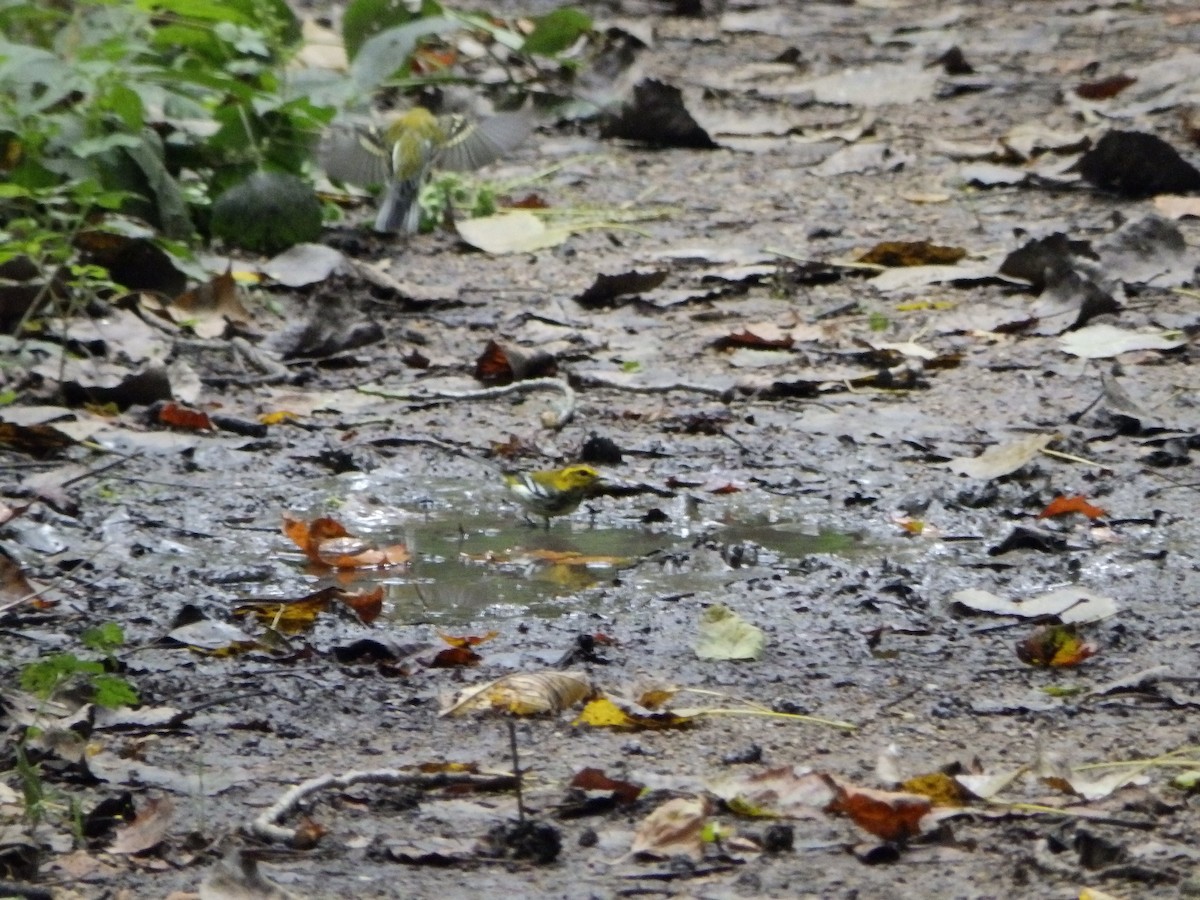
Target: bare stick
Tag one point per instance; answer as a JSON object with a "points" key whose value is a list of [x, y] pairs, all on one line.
{"points": [[266, 824]]}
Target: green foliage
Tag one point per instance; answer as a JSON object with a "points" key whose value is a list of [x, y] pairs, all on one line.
{"points": [[31, 787], [268, 212], [455, 191], [556, 31], [43, 677], [877, 321], [103, 638], [162, 103], [364, 19]]}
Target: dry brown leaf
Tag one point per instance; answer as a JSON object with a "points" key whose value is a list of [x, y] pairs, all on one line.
{"points": [[147, 829], [523, 694], [673, 829]]}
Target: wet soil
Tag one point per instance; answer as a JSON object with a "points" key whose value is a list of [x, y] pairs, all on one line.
{"points": [[860, 624]]}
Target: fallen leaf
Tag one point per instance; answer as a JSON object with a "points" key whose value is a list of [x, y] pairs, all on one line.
{"points": [[889, 815], [619, 713], [1056, 646], [519, 231], [328, 544], [1003, 459], [523, 694], [147, 830], [723, 634], [1062, 506], [1072, 605], [623, 792], [912, 253], [789, 791], [1103, 341], [673, 829]]}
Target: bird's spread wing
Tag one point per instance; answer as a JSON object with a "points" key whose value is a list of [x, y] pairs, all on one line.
{"points": [[471, 145], [355, 155]]}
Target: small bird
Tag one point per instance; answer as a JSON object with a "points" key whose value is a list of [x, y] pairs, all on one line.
{"points": [[401, 157], [554, 492]]}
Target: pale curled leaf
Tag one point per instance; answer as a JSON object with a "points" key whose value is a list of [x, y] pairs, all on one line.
{"points": [[1103, 341], [673, 829], [726, 635], [1003, 459], [519, 231], [791, 791], [523, 694], [1072, 605]]}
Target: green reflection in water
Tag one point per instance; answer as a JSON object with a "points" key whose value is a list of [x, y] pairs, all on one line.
{"points": [[468, 567]]}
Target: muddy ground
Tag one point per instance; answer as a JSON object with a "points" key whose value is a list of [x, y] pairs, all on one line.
{"points": [[810, 449]]}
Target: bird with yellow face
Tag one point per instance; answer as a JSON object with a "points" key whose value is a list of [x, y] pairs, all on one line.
{"points": [[401, 156], [553, 492]]}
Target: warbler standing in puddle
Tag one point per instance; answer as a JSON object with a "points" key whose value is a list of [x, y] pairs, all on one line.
{"points": [[553, 492], [401, 156]]}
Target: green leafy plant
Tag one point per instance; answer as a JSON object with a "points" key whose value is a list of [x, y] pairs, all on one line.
{"points": [[44, 676], [152, 108]]}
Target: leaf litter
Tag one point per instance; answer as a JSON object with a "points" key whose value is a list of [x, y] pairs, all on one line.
{"points": [[852, 466]]}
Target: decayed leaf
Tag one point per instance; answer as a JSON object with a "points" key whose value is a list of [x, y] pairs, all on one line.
{"points": [[673, 829], [327, 543], [1072, 605], [294, 616], [455, 658], [1103, 341], [623, 792], [1062, 506], [1056, 646], [502, 364], [940, 788], [912, 253], [147, 830], [209, 308], [1003, 459], [1056, 772], [519, 231], [468, 640], [39, 441], [608, 291], [889, 815], [523, 694], [725, 635], [789, 791]]}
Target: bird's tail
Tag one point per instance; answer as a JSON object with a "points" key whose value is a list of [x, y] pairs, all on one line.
{"points": [[399, 210]]}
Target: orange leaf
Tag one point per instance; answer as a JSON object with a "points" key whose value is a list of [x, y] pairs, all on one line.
{"points": [[1061, 506], [469, 640], [326, 542], [181, 417], [367, 606], [886, 814]]}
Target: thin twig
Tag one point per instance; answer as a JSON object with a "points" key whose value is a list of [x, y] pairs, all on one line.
{"points": [[516, 768], [266, 824], [556, 419]]}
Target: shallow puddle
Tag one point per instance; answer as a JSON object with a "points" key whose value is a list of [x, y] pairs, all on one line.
{"points": [[466, 569]]}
